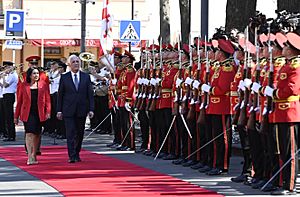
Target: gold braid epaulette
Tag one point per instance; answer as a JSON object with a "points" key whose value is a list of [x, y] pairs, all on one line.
{"points": [[295, 62]]}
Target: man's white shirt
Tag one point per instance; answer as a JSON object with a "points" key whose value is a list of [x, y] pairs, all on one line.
{"points": [[12, 80]]}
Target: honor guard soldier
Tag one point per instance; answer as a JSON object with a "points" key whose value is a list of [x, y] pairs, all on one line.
{"points": [[287, 113], [126, 101], [113, 93], [219, 106]]}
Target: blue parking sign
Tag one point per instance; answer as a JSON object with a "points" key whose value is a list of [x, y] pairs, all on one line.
{"points": [[14, 25]]}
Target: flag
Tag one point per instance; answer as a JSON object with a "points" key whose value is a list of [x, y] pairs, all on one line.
{"points": [[106, 28]]}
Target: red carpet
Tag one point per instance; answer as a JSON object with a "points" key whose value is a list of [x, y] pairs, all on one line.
{"points": [[100, 175]]}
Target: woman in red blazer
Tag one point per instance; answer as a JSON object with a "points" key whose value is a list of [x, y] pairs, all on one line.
{"points": [[33, 108]]}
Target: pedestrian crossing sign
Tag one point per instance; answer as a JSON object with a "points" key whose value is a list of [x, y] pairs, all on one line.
{"points": [[130, 30]]}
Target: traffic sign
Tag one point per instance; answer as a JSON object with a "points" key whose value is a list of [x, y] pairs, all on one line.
{"points": [[13, 44], [130, 30], [14, 25]]}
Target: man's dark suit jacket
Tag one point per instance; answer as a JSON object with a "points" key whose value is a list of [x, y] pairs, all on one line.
{"points": [[74, 103]]}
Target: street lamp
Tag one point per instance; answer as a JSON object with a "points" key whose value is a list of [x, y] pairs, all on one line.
{"points": [[83, 21]]}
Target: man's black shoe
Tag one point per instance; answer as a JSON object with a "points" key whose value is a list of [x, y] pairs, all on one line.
{"points": [[179, 161], [161, 155], [259, 184], [148, 153], [140, 150], [110, 145], [169, 157], [204, 169], [283, 192], [189, 163], [239, 179], [269, 188], [71, 160], [38, 152], [77, 159], [197, 166], [250, 180], [119, 147], [216, 171]]}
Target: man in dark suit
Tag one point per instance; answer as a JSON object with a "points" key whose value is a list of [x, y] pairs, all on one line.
{"points": [[75, 101]]}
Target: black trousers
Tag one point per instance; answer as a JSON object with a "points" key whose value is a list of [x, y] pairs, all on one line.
{"points": [[116, 126], [101, 111], [144, 124], [245, 143], [271, 153], [126, 123], [257, 151], [153, 132], [181, 138], [8, 100], [75, 131], [221, 125], [207, 153], [2, 122], [288, 135]]}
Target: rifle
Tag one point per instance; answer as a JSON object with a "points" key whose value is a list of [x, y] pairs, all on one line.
{"points": [[157, 90], [185, 100], [265, 119], [152, 90], [142, 105], [178, 88], [192, 111], [242, 120], [140, 86], [255, 103], [201, 118]]}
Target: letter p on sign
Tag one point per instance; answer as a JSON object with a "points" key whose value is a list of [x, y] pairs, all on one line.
{"points": [[14, 25], [14, 19]]}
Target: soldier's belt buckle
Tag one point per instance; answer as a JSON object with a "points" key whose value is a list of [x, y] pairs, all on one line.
{"points": [[284, 106], [215, 100], [167, 95]]}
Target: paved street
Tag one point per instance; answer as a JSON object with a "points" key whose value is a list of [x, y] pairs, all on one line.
{"points": [[15, 182]]}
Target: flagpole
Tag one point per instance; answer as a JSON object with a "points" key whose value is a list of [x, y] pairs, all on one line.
{"points": [[83, 25]]}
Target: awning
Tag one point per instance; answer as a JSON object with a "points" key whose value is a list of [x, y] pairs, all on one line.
{"points": [[65, 42]]}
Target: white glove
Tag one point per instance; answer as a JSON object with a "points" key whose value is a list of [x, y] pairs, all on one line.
{"points": [[184, 98], [205, 88], [139, 81], [114, 81], [241, 85], [265, 111], [235, 108], [247, 83], [127, 106], [192, 102], [157, 80], [196, 84], [153, 81], [146, 82], [255, 87], [144, 95], [188, 81], [140, 95], [178, 82], [149, 96], [269, 91]]}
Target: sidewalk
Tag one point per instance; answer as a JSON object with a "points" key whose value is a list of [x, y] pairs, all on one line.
{"points": [[15, 182]]}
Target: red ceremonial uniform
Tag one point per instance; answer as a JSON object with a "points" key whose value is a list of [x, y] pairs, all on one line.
{"points": [[219, 102], [287, 104]]}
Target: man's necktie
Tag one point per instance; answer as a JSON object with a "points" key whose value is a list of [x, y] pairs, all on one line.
{"points": [[76, 83]]}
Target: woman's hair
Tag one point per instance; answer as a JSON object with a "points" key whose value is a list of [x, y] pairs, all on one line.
{"points": [[28, 74]]}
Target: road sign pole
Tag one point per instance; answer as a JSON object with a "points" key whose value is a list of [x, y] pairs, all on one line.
{"points": [[83, 25], [132, 17], [14, 56]]}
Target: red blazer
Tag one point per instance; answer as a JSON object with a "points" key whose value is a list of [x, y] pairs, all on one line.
{"points": [[24, 101]]}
